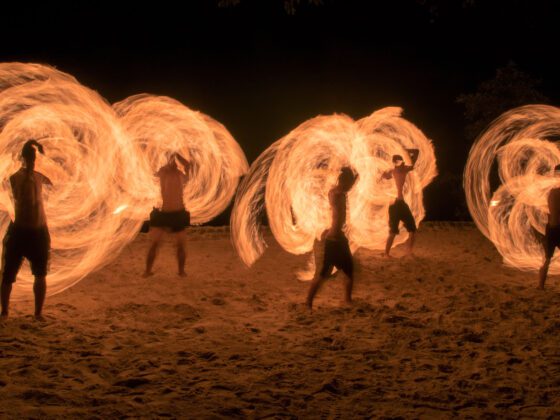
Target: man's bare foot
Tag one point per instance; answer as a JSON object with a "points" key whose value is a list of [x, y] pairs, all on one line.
{"points": [[347, 303], [388, 256], [3, 316], [39, 318], [182, 274], [148, 274], [309, 305]]}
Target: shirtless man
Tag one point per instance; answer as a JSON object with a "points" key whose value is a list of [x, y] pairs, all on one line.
{"points": [[337, 250], [399, 210], [173, 216], [552, 235], [28, 236]]}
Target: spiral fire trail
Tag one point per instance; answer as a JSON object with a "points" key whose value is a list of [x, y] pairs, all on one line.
{"points": [[519, 150], [159, 126], [102, 165], [84, 146], [291, 180]]}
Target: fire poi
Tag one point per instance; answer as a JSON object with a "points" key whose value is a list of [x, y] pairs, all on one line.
{"points": [[291, 179], [507, 179], [101, 162]]}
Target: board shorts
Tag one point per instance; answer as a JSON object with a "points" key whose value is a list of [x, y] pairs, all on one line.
{"points": [[175, 221], [399, 211], [337, 254], [551, 240], [22, 242]]}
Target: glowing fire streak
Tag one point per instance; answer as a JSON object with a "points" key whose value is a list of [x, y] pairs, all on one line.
{"points": [[120, 209], [102, 166], [160, 126], [514, 215], [293, 176]]}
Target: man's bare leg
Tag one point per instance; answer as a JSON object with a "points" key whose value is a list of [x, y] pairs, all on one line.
{"points": [[40, 291], [155, 234], [6, 292], [389, 244], [313, 288], [181, 252], [348, 285], [543, 272], [411, 238]]}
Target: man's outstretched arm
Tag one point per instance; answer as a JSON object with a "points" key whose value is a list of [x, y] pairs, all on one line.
{"points": [[182, 160], [386, 175], [186, 165], [413, 153], [45, 180], [14, 189]]}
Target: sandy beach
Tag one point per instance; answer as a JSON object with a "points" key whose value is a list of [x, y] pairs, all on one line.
{"points": [[449, 333]]}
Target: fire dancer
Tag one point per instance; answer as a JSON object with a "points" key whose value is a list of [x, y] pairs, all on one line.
{"points": [[28, 235], [552, 234], [399, 210], [173, 217], [337, 250]]}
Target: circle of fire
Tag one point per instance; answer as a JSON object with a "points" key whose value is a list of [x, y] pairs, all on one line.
{"points": [[291, 179], [517, 153], [160, 126], [101, 161]]}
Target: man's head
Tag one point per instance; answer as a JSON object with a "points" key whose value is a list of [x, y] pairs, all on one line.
{"points": [[347, 178], [29, 153], [398, 160]]}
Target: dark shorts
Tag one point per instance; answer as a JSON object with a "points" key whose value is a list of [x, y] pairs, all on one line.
{"points": [[399, 211], [20, 243], [337, 254], [551, 240], [176, 221]]}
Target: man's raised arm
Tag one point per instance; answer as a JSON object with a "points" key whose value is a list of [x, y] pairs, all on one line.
{"points": [[413, 153]]}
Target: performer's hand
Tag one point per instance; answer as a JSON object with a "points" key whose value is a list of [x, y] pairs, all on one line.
{"points": [[413, 153], [181, 159]]}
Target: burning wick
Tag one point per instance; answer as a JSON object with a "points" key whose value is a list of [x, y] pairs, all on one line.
{"points": [[120, 208], [292, 178], [520, 145]]}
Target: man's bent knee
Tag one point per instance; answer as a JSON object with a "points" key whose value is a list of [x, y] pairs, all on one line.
{"points": [[40, 280]]}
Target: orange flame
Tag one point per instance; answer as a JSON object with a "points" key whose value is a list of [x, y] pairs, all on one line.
{"points": [[158, 127], [293, 176], [514, 216], [102, 164]]}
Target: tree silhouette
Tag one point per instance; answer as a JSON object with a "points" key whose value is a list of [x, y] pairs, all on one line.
{"points": [[510, 88], [289, 5]]}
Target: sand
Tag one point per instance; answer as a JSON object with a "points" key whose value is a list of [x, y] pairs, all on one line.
{"points": [[449, 333]]}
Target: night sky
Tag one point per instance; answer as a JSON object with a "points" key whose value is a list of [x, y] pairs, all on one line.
{"points": [[262, 71]]}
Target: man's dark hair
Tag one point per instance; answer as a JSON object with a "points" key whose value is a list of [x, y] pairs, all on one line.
{"points": [[396, 158], [557, 168], [28, 152], [347, 176]]}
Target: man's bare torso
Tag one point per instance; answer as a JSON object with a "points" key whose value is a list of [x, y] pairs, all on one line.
{"points": [[337, 201], [27, 189], [554, 207], [399, 174], [172, 182]]}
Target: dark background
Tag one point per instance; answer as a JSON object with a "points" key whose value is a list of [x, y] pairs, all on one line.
{"points": [[261, 69]]}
